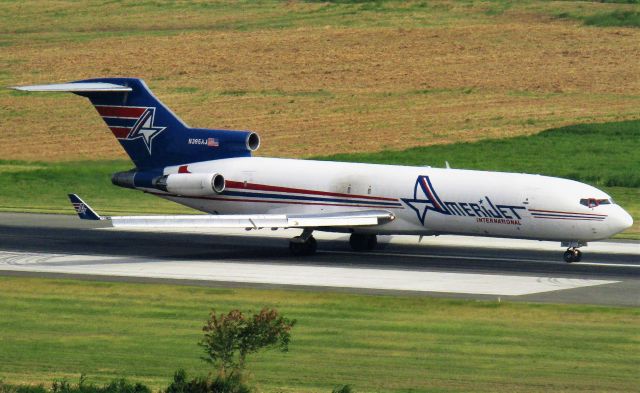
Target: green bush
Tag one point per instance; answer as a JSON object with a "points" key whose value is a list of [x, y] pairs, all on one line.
{"points": [[229, 338], [221, 384]]}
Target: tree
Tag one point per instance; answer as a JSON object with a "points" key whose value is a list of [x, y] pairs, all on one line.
{"points": [[228, 339]]}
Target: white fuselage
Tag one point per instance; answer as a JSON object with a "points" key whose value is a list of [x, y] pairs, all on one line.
{"points": [[425, 200]]}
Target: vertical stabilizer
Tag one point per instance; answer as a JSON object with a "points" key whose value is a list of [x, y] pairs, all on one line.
{"points": [[151, 134]]}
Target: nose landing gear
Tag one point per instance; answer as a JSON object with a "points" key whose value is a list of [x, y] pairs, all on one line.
{"points": [[572, 255]]}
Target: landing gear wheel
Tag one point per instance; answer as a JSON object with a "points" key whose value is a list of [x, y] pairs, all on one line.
{"points": [[572, 255], [300, 248], [363, 242], [577, 255]]}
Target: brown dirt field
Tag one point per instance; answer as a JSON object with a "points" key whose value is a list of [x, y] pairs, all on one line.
{"points": [[312, 90]]}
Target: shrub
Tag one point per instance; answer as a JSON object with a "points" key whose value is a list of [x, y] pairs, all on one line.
{"points": [[221, 384], [228, 339]]}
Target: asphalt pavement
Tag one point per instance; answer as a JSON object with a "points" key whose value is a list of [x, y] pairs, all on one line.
{"points": [[89, 250]]}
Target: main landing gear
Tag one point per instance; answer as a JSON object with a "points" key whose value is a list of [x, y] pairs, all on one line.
{"points": [[573, 254], [306, 245], [363, 242], [303, 245]]}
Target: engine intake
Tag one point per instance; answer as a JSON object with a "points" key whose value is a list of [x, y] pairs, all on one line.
{"points": [[253, 141], [191, 184]]}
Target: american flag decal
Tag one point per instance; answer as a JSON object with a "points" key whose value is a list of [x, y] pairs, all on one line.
{"points": [[212, 142]]}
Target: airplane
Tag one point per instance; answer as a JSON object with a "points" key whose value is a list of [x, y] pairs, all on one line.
{"points": [[214, 171]]}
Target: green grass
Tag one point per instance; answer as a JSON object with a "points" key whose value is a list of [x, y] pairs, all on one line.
{"points": [[605, 154], [627, 14], [614, 18], [43, 187], [375, 343]]}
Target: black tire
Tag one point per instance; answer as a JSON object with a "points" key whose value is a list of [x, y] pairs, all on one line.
{"points": [[569, 256], [372, 242], [363, 242], [577, 257], [305, 248], [311, 246]]}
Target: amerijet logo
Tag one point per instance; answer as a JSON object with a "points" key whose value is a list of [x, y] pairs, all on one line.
{"points": [[131, 123], [424, 199], [484, 210]]}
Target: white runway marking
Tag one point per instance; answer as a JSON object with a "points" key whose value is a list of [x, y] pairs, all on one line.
{"points": [[279, 274]]}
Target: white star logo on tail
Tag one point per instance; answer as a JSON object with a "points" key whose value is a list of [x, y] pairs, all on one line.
{"points": [[145, 129]]}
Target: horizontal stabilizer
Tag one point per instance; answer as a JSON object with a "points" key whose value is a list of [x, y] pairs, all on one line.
{"points": [[95, 87]]}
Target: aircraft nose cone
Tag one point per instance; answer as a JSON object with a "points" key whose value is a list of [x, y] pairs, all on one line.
{"points": [[621, 220]]}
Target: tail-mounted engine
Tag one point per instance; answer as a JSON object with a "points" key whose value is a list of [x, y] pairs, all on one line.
{"points": [[191, 184], [187, 184]]}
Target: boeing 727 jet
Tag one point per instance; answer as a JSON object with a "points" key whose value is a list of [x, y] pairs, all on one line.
{"points": [[213, 171]]}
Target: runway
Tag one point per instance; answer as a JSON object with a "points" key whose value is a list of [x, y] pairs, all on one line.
{"points": [[52, 245]]}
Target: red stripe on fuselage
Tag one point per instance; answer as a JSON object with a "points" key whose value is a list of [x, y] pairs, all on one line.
{"points": [[264, 187], [226, 199], [120, 111], [120, 132]]}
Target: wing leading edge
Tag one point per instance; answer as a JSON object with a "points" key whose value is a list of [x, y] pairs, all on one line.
{"points": [[340, 219]]}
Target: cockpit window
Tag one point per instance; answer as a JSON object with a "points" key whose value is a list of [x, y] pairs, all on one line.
{"points": [[594, 202]]}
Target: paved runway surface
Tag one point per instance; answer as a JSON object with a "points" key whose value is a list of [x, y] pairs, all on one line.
{"points": [[50, 245]]}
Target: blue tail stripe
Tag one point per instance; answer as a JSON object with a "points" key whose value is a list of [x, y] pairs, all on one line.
{"points": [[119, 122]]}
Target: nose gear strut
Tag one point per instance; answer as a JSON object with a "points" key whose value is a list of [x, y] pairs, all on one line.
{"points": [[573, 254]]}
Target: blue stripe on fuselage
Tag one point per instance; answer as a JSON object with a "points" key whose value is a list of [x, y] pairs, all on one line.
{"points": [[552, 215], [307, 198]]}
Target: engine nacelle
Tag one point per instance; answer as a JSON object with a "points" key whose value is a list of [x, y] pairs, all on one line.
{"points": [[191, 184]]}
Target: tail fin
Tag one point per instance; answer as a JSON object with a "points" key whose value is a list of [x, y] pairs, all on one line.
{"points": [[151, 134]]}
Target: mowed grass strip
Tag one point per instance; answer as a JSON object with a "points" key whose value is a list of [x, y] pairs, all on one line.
{"points": [[60, 328]]}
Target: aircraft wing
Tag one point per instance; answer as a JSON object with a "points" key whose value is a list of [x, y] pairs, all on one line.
{"points": [[256, 221]]}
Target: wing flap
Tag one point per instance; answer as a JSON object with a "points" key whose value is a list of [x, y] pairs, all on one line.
{"points": [[255, 221], [345, 219]]}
